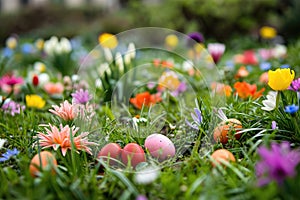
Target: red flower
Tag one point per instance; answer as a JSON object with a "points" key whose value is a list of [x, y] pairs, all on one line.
{"points": [[145, 99], [35, 80], [250, 58], [245, 90]]}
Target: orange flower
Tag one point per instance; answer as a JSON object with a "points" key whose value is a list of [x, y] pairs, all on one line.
{"points": [[242, 72], [145, 99], [221, 89], [54, 88], [245, 90]]}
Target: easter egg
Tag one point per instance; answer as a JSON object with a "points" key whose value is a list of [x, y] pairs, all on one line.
{"points": [[111, 150], [160, 146], [232, 126], [134, 154], [222, 154], [42, 161]]}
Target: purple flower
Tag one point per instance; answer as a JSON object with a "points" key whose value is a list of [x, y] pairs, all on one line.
{"points": [[181, 88], [295, 85], [81, 96], [196, 36], [291, 109], [274, 125], [12, 108], [7, 155], [216, 51], [276, 163], [197, 119], [141, 197]]}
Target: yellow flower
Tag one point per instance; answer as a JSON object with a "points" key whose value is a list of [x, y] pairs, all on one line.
{"points": [[11, 42], [39, 43], [171, 40], [108, 40], [35, 101], [267, 32], [280, 79]]}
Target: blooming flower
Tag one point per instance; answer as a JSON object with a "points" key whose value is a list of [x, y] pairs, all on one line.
{"points": [[249, 58], [221, 89], [66, 111], [141, 197], [35, 101], [11, 80], [54, 88], [280, 79], [216, 50], [242, 72], [180, 89], [146, 175], [108, 40], [276, 163], [171, 40], [291, 109], [245, 90], [2, 141], [295, 85], [169, 80], [81, 96], [197, 119], [267, 32], [63, 137], [264, 78], [55, 47], [8, 154], [270, 102], [12, 108], [196, 36], [145, 99], [265, 66], [265, 54], [11, 42], [274, 125]]}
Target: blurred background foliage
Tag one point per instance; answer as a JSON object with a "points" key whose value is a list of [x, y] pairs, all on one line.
{"points": [[218, 19]]}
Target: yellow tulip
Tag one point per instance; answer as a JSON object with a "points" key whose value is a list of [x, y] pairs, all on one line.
{"points": [[171, 40], [267, 32], [108, 40], [280, 79], [35, 101]]}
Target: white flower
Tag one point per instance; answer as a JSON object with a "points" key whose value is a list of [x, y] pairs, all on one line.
{"points": [[102, 68], [187, 65], [65, 45], [98, 83], [279, 51], [39, 67], [2, 141], [43, 79], [270, 102], [119, 61], [147, 175], [50, 45], [131, 50], [108, 55]]}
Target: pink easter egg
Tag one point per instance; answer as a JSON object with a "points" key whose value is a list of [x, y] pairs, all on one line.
{"points": [[160, 146], [111, 150], [134, 154]]}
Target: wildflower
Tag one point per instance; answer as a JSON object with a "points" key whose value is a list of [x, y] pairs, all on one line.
{"points": [[276, 163], [27, 48], [108, 40], [180, 89], [145, 99], [64, 137], [54, 88], [195, 36], [119, 62], [216, 50], [169, 80], [295, 85], [12, 108], [291, 109], [284, 66], [265, 54], [39, 44], [55, 47], [8, 154], [264, 78], [35, 80], [141, 197], [12, 42], [2, 141], [64, 111], [81, 96], [270, 102], [171, 40], [280, 79], [197, 119], [221, 89], [130, 54], [245, 90], [274, 125], [249, 58], [146, 175], [39, 67], [267, 32], [11, 80], [279, 51], [265, 66], [35, 101], [242, 72], [43, 79]]}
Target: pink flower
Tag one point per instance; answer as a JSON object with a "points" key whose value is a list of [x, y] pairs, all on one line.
{"points": [[54, 88], [11, 80], [216, 50], [66, 111], [61, 137]]}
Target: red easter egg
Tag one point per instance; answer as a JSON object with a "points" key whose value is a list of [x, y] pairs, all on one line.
{"points": [[111, 150], [134, 154]]}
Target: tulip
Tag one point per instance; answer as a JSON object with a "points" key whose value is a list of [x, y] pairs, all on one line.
{"points": [[280, 79]]}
